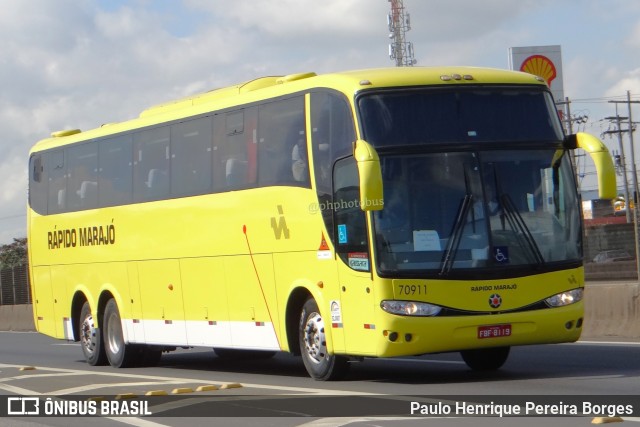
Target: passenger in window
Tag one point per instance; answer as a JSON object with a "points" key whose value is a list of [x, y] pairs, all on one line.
{"points": [[295, 143], [236, 173], [322, 153], [300, 159]]}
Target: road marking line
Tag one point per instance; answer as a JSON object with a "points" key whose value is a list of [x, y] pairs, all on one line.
{"points": [[18, 390], [138, 422], [174, 380], [629, 343], [343, 421]]}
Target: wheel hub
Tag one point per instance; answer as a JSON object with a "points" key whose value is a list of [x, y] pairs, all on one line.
{"points": [[88, 336], [314, 338]]}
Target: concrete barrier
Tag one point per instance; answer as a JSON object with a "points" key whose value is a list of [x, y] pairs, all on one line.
{"points": [[16, 318], [612, 311], [611, 271]]}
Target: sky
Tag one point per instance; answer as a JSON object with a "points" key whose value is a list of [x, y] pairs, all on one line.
{"points": [[79, 63]]}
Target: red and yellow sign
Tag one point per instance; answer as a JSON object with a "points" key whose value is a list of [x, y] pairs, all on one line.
{"points": [[540, 65]]}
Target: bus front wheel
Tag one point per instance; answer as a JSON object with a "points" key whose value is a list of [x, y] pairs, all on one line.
{"points": [[485, 359], [119, 354], [91, 338], [313, 345]]}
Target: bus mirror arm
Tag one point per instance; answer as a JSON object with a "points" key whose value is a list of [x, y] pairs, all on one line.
{"points": [[370, 175], [571, 142], [601, 158]]}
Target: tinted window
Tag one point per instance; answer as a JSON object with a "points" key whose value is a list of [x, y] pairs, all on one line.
{"points": [[38, 184], [282, 145], [465, 115], [351, 226], [332, 136], [151, 164], [191, 157], [236, 150], [115, 174], [57, 174], [82, 176]]}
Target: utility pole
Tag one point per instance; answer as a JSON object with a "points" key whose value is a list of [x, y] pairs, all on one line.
{"points": [[635, 175], [400, 50], [623, 161], [569, 130]]}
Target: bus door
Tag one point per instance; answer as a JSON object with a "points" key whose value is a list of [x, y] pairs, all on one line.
{"points": [[354, 260]]}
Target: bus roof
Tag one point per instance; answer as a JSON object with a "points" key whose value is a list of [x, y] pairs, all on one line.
{"points": [[348, 82]]}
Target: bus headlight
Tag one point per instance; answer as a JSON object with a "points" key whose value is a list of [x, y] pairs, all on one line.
{"points": [[565, 298], [410, 308]]}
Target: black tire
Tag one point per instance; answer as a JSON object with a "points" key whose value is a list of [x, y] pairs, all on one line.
{"points": [[234, 354], [119, 354], [91, 338], [319, 363], [485, 359]]}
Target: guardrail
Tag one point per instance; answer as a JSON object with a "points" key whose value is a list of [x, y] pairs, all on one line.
{"points": [[14, 286]]}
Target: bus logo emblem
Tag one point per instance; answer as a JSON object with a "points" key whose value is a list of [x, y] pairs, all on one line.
{"points": [[280, 226], [495, 300]]}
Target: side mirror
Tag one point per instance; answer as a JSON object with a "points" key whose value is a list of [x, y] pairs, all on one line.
{"points": [[370, 174], [601, 158]]}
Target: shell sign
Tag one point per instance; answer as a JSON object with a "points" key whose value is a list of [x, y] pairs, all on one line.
{"points": [[542, 61], [540, 65]]}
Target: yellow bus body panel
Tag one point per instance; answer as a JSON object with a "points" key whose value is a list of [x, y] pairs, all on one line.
{"points": [[221, 269]]}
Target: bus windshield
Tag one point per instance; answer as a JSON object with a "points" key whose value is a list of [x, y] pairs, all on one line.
{"points": [[481, 183], [449, 211], [470, 115]]}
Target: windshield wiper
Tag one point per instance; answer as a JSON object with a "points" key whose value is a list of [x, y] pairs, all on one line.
{"points": [[458, 227], [520, 228], [456, 235]]}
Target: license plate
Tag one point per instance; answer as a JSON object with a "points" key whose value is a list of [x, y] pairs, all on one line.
{"points": [[494, 331]]}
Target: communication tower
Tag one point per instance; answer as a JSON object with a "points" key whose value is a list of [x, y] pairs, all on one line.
{"points": [[400, 50]]}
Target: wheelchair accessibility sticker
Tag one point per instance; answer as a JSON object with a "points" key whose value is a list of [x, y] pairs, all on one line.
{"points": [[501, 254], [342, 234]]}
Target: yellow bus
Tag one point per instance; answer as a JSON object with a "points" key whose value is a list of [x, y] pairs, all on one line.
{"points": [[372, 213]]}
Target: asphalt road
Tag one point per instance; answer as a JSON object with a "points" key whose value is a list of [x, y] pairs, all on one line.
{"points": [[278, 392]]}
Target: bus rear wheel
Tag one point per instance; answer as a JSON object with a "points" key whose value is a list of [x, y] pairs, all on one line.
{"points": [[91, 338], [119, 354], [485, 359], [313, 345]]}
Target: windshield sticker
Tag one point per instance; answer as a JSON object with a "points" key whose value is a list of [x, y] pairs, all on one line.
{"points": [[501, 254], [426, 240], [359, 261], [342, 233]]}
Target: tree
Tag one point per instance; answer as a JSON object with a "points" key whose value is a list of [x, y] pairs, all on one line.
{"points": [[14, 254]]}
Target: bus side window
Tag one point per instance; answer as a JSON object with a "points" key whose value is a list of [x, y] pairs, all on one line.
{"points": [[191, 157], [151, 164], [332, 136], [38, 184], [281, 134], [234, 152], [115, 171], [82, 184], [350, 221], [57, 174]]}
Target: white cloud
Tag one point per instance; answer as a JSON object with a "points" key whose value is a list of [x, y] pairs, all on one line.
{"points": [[629, 81]]}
